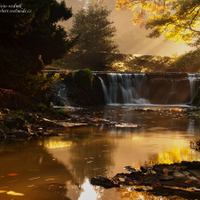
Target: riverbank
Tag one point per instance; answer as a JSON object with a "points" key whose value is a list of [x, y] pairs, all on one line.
{"points": [[57, 121]]}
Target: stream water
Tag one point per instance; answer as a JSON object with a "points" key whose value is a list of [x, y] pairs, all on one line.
{"points": [[61, 167]]}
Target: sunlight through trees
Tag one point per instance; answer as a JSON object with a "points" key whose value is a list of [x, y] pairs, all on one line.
{"points": [[176, 19]]}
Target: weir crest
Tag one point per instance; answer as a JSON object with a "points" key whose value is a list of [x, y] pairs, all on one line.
{"points": [[149, 88]]}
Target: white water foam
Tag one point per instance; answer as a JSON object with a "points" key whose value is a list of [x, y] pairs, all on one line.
{"points": [[125, 89]]}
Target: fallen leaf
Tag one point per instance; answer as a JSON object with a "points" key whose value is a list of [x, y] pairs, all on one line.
{"points": [[149, 188], [188, 181], [157, 184], [131, 183], [12, 174], [141, 180], [166, 171], [177, 167], [153, 172], [179, 188], [122, 179], [97, 119], [115, 181]]}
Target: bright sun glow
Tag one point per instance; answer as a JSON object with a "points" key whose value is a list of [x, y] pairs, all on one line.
{"points": [[88, 192]]}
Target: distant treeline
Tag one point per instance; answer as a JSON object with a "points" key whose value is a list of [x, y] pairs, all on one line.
{"points": [[189, 62]]}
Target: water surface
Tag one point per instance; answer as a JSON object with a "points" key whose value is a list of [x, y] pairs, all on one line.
{"points": [[61, 167]]}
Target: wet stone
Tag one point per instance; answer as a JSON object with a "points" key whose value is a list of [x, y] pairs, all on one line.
{"points": [[180, 179], [177, 174], [195, 173], [189, 175], [102, 181], [165, 177], [130, 169]]}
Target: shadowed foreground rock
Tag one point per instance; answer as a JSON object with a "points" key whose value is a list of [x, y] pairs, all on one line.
{"points": [[14, 100], [180, 179]]}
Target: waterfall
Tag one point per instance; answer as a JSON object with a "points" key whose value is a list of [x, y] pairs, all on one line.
{"points": [[107, 100], [172, 97], [192, 78], [60, 90], [125, 89]]}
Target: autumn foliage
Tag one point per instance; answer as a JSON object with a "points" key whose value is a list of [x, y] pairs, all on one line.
{"points": [[176, 19]]}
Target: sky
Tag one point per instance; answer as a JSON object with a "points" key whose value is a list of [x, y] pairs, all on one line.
{"points": [[131, 38]]}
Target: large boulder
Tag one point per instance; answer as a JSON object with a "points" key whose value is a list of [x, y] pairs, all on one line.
{"points": [[73, 92]]}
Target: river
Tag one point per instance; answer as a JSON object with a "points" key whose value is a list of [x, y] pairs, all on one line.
{"points": [[56, 168]]}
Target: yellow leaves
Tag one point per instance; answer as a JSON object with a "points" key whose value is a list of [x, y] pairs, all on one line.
{"points": [[131, 183], [118, 7], [130, 5], [180, 188], [139, 16], [177, 19]]}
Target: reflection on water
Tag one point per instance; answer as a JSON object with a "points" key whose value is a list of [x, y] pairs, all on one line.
{"points": [[61, 167]]}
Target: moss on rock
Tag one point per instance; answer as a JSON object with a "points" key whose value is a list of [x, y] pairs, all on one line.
{"points": [[196, 98]]}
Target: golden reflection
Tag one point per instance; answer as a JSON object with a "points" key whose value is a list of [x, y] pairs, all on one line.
{"points": [[55, 144], [12, 193], [136, 137], [176, 154]]}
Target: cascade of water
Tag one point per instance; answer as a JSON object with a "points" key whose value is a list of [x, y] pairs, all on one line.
{"points": [[105, 91], [173, 93], [125, 89], [192, 78], [60, 90]]}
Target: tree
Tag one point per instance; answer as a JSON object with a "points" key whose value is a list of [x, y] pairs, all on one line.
{"points": [[30, 39], [95, 46], [176, 19]]}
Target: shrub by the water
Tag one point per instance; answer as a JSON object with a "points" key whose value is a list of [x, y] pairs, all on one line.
{"points": [[196, 98], [83, 78]]}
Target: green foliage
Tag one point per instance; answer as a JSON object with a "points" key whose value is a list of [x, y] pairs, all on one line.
{"points": [[93, 31], [196, 98], [42, 106], [51, 105], [83, 78], [19, 114], [18, 119], [62, 111]]}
